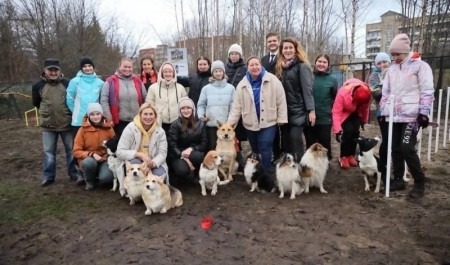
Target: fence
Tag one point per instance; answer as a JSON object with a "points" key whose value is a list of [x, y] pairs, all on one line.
{"points": [[15, 99]]}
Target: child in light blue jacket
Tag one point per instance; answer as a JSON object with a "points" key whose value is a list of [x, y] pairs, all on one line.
{"points": [[215, 102], [83, 89]]}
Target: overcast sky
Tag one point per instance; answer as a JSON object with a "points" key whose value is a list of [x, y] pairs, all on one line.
{"points": [[155, 19]]}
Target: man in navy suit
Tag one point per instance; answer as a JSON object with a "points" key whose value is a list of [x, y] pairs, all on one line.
{"points": [[269, 60]]}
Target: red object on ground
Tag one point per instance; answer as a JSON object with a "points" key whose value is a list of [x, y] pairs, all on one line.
{"points": [[207, 222]]}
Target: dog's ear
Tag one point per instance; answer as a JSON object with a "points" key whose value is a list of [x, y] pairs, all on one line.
{"points": [[234, 126], [209, 160], [219, 123], [281, 159], [161, 178]]}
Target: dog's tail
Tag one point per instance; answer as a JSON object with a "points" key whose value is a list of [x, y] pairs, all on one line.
{"points": [[224, 182]]}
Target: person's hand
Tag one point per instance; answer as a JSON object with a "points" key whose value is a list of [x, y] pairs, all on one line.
{"points": [[312, 117], [204, 119], [151, 164], [97, 157], [111, 123], [423, 121], [186, 153], [145, 158], [338, 137]]}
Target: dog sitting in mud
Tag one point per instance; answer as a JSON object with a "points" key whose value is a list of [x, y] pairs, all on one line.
{"points": [[368, 162], [159, 197], [258, 179], [313, 167], [288, 178], [134, 180], [113, 162], [209, 173], [227, 150]]}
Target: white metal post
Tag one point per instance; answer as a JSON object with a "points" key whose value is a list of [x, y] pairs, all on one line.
{"points": [[430, 133], [446, 117], [391, 101], [438, 120]]}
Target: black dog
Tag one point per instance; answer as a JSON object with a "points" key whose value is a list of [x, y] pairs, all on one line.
{"points": [[259, 179]]}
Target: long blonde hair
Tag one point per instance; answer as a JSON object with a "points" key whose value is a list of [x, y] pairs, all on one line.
{"points": [[300, 54]]}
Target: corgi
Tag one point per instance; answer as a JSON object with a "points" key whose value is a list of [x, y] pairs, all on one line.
{"points": [[258, 179], [209, 173], [368, 162], [159, 197], [313, 167], [134, 180], [226, 149], [288, 177], [113, 163]]}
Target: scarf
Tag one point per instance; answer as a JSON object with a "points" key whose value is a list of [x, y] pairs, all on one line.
{"points": [[146, 135], [287, 63], [149, 78]]}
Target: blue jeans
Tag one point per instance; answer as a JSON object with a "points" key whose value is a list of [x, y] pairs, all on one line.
{"points": [[96, 173], [49, 142], [261, 142]]}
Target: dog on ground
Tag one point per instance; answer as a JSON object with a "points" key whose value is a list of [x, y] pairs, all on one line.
{"points": [[134, 180], [313, 167], [226, 149], [258, 179], [113, 162], [368, 162], [288, 177], [209, 173], [159, 197]]}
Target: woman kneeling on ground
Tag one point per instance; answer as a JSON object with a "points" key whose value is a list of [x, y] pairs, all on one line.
{"points": [[143, 140], [88, 149]]}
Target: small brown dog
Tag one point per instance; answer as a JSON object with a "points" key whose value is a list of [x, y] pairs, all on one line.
{"points": [[209, 173], [159, 197], [134, 180], [227, 150]]}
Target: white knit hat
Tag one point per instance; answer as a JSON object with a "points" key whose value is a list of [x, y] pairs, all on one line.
{"points": [[94, 107], [186, 102], [217, 65], [235, 48]]}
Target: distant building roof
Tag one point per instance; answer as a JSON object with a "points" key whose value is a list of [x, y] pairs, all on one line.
{"points": [[391, 13]]}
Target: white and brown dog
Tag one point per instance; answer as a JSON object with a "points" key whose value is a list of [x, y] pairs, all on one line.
{"points": [[288, 178], [227, 150], [159, 197], [258, 178], [134, 180], [209, 173], [313, 167], [368, 162], [113, 163]]}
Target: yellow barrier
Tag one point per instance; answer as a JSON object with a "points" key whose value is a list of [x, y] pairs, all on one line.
{"points": [[36, 113]]}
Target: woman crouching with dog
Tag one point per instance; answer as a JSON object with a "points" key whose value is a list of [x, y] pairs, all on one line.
{"points": [[88, 150], [261, 101], [143, 140], [187, 141]]}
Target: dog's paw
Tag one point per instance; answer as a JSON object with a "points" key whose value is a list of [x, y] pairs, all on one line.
{"points": [[204, 193], [148, 212], [377, 191], [323, 191], [306, 191], [213, 193], [292, 197], [132, 202], [281, 196], [163, 210], [367, 189], [123, 192]]}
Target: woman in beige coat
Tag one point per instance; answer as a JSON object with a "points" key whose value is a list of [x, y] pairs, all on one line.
{"points": [[260, 100]]}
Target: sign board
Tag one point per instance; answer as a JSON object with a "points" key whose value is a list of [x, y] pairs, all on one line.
{"points": [[178, 57]]}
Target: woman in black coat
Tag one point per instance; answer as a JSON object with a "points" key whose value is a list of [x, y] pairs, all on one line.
{"points": [[187, 141], [198, 81], [297, 78]]}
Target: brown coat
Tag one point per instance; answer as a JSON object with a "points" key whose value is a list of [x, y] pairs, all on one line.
{"points": [[273, 106], [89, 140]]}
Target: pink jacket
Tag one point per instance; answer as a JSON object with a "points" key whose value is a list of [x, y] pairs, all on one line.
{"points": [[343, 105], [412, 84]]}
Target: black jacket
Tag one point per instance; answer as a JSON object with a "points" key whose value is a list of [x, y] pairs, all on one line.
{"points": [[195, 84], [178, 141], [297, 81], [235, 72], [270, 67]]}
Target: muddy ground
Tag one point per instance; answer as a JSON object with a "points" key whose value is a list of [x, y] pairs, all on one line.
{"points": [[64, 224]]}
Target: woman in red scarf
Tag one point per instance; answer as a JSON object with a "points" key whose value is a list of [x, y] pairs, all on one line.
{"points": [[148, 72]]}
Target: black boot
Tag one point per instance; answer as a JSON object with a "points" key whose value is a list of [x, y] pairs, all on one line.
{"points": [[397, 184], [417, 191]]}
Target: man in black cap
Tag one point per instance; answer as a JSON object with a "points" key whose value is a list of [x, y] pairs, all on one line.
{"points": [[49, 96]]}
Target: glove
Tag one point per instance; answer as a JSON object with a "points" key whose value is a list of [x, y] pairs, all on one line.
{"points": [[362, 126], [382, 118], [338, 137], [423, 121]]}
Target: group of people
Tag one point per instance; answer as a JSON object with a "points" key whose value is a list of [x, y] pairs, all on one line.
{"points": [[272, 102]]}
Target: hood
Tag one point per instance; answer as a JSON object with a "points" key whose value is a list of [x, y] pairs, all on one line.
{"points": [[160, 78]]}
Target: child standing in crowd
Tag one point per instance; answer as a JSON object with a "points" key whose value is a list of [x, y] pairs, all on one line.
{"points": [[382, 63], [88, 149], [198, 81], [411, 81], [350, 112], [84, 89], [324, 91], [215, 102], [149, 75]]}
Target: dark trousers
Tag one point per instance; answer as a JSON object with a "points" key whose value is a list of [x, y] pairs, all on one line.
{"points": [[118, 128], [212, 137], [319, 134], [181, 169], [350, 133], [404, 139], [292, 140], [261, 142], [166, 127], [384, 129], [276, 147]]}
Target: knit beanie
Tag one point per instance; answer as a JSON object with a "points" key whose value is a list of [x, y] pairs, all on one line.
{"points": [[94, 107], [382, 56], [86, 60], [400, 44], [361, 95], [235, 48], [186, 102], [217, 65]]}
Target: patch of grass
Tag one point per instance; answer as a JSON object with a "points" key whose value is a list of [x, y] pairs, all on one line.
{"points": [[19, 203]]}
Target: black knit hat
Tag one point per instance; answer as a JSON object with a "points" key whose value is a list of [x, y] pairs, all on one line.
{"points": [[86, 60]]}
